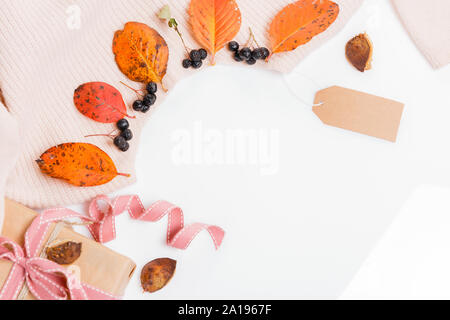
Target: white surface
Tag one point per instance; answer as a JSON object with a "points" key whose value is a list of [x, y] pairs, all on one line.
{"points": [[412, 260], [305, 231]]}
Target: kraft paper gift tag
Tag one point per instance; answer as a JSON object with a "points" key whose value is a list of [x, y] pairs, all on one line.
{"points": [[100, 267], [359, 112]]}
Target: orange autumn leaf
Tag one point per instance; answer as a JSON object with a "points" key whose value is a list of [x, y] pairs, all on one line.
{"points": [[80, 164], [299, 22], [141, 53], [214, 23]]}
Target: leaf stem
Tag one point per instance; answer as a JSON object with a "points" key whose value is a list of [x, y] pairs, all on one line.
{"points": [[249, 41], [109, 135], [182, 40], [138, 92], [252, 35], [163, 87], [100, 135], [124, 174]]}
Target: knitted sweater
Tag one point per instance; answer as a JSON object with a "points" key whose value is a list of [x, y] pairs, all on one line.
{"points": [[428, 24], [49, 47], [9, 149]]}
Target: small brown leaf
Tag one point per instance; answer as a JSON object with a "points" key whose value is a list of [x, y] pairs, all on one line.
{"points": [[157, 274], [66, 253], [359, 52]]}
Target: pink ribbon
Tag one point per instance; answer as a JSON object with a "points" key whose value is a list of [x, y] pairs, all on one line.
{"points": [[47, 280], [178, 236]]}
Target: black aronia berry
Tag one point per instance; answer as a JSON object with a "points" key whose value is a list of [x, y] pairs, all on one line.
{"points": [[251, 52], [152, 88], [121, 143], [147, 98], [120, 140], [127, 134], [233, 46], [138, 105], [195, 58], [123, 124]]}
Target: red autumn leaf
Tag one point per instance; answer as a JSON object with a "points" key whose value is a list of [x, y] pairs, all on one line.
{"points": [[100, 102]]}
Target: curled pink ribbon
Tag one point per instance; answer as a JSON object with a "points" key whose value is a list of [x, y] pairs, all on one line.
{"points": [[178, 236]]}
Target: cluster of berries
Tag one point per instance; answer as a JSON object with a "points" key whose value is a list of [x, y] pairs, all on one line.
{"points": [[196, 58], [246, 54], [121, 141], [148, 100]]}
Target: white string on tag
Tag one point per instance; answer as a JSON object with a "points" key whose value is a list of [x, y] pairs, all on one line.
{"points": [[291, 77]]}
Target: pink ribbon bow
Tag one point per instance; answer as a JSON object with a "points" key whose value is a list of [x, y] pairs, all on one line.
{"points": [[45, 279]]}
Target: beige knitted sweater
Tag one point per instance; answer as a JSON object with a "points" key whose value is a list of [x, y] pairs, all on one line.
{"points": [[49, 47], [428, 24]]}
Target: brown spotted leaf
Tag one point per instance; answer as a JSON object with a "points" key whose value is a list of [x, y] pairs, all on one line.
{"points": [[214, 23], [65, 253], [299, 22], [100, 102], [80, 164], [141, 53], [157, 274]]}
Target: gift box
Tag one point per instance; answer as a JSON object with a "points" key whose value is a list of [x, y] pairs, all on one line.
{"points": [[100, 268]]}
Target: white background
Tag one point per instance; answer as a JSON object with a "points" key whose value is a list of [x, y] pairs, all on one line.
{"points": [[305, 231]]}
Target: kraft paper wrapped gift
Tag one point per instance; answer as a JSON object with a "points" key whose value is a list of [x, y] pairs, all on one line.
{"points": [[100, 267]]}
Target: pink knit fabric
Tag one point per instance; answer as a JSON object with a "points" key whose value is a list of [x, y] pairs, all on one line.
{"points": [[9, 150], [42, 61], [428, 23]]}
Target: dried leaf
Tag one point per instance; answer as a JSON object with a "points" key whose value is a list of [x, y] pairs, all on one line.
{"points": [[359, 52], [100, 102], [2, 99], [165, 13], [157, 274], [299, 22], [80, 164], [65, 253], [141, 53], [214, 23]]}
